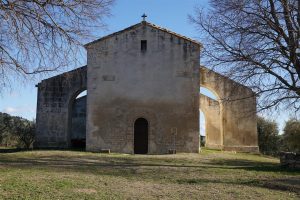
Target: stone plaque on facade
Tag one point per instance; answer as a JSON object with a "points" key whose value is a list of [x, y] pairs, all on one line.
{"points": [[108, 78]]}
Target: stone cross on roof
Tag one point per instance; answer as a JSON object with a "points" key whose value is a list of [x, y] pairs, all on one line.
{"points": [[144, 17]]}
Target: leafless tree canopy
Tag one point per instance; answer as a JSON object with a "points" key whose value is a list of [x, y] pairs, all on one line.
{"points": [[255, 42], [44, 35]]}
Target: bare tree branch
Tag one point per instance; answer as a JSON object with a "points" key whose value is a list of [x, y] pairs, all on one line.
{"points": [[255, 42], [38, 36]]}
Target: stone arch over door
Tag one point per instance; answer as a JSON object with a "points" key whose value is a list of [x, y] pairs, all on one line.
{"points": [[153, 128], [237, 104], [53, 108]]}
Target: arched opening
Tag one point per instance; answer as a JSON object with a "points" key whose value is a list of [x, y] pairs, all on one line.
{"points": [[209, 93], [141, 136], [210, 119], [202, 130], [81, 94], [78, 121]]}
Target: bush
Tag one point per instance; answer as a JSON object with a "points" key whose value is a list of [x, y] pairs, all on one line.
{"points": [[268, 136], [16, 131], [291, 136]]}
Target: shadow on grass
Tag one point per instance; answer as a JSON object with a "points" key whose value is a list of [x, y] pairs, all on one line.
{"points": [[146, 167], [251, 165], [12, 150], [291, 184], [106, 160], [15, 150]]}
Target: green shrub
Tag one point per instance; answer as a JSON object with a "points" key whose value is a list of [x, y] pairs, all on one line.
{"points": [[291, 136], [268, 136], [16, 131]]}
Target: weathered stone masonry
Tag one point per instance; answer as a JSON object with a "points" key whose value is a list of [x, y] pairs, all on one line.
{"points": [[160, 84], [54, 104], [237, 116], [146, 72]]}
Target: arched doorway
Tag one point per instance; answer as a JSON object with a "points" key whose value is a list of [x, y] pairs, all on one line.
{"points": [[141, 136], [78, 121]]}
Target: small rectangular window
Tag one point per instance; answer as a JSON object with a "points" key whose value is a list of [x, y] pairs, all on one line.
{"points": [[143, 45]]}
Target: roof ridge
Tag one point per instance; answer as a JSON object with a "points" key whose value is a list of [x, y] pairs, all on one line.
{"points": [[173, 33], [144, 23]]}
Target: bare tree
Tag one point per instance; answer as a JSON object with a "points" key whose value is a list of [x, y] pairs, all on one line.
{"points": [[45, 35], [255, 42]]}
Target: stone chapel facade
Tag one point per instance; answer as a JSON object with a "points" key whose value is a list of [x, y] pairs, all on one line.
{"points": [[143, 97]]}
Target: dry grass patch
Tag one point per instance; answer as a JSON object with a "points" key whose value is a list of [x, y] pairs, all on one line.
{"points": [[85, 190], [84, 175]]}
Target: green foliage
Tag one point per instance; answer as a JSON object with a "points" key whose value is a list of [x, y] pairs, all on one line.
{"points": [[268, 137], [16, 131], [291, 136], [6, 136]]}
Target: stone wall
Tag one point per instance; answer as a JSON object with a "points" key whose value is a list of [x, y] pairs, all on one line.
{"points": [[237, 110], [228, 127], [54, 108], [290, 160], [160, 84]]}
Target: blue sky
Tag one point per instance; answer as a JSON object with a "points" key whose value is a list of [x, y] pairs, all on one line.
{"points": [[20, 99]]}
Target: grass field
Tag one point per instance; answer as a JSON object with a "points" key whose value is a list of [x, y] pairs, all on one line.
{"points": [[83, 175]]}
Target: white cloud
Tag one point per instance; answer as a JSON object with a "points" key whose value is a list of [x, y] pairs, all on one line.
{"points": [[10, 110], [25, 111]]}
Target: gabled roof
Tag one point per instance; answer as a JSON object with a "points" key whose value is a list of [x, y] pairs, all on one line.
{"points": [[147, 24]]}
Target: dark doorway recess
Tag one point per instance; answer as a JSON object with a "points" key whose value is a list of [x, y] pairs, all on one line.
{"points": [[141, 136], [78, 122]]}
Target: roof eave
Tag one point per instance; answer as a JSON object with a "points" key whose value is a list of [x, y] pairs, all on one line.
{"points": [[144, 23]]}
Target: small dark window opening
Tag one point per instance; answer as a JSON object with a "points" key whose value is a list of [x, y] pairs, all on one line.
{"points": [[143, 45]]}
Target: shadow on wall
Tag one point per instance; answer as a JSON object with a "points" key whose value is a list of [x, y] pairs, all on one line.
{"points": [[78, 121]]}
